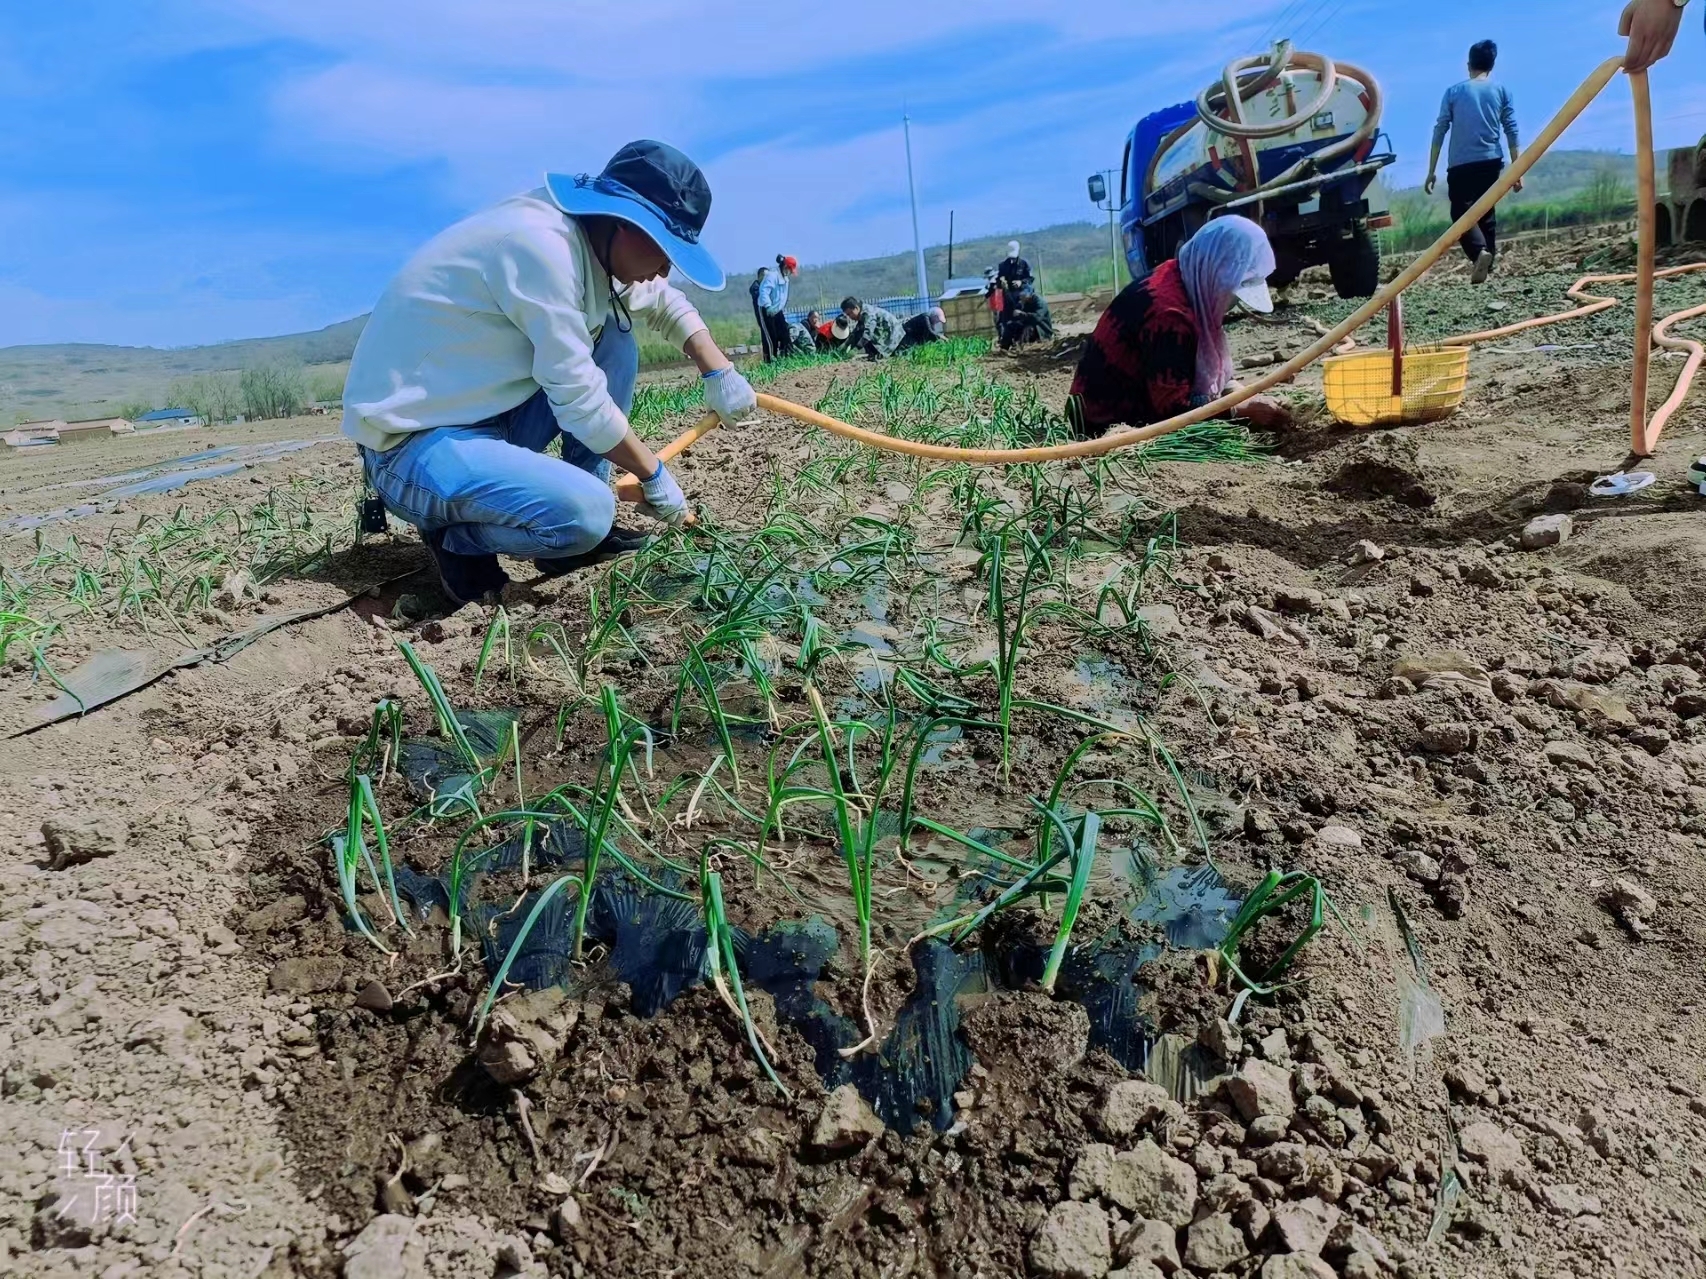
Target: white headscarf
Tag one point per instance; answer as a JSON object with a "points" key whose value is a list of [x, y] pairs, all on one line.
{"points": [[1012, 248], [1213, 263]]}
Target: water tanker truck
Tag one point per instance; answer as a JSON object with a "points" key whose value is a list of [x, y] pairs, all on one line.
{"points": [[1286, 139]]}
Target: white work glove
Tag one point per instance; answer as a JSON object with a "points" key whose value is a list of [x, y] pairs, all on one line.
{"points": [[664, 499], [729, 395]]}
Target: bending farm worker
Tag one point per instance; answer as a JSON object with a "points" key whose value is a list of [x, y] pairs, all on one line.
{"points": [[515, 327], [770, 304], [1160, 348], [821, 332], [1014, 270], [1473, 111], [923, 328], [867, 328]]}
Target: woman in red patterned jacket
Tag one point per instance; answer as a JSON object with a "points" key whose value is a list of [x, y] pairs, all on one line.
{"points": [[1160, 347]]}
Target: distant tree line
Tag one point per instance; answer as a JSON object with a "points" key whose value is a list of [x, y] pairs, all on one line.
{"points": [[1418, 220], [261, 391]]}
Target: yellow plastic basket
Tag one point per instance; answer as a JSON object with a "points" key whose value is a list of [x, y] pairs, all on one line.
{"points": [[1359, 387]]}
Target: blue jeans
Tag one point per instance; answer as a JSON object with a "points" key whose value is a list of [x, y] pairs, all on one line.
{"points": [[491, 487]]}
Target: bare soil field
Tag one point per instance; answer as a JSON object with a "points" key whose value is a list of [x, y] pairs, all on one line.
{"points": [[897, 874]]}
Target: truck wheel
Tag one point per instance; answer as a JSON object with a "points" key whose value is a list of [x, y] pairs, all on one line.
{"points": [[1355, 266]]}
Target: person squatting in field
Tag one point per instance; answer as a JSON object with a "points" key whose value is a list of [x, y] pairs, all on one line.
{"points": [[864, 327], [514, 328], [1160, 348]]}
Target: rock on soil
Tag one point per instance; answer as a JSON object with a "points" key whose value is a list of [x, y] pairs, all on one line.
{"points": [[1153, 1243], [1446, 739], [74, 838], [1215, 1243], [1128, 1105], [1305, 1225], [1073, 1243], [1151, 1183], [1338, 837], [847, 1123], [1497, 1151], [1299, 1266], [388, 1247], [1261, 1088], [1547, 530], [1633, 905]]}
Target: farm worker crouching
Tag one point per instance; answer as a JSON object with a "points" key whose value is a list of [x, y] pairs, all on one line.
{"points": [[867, 328], [820, 331], [770, 304], [1473, 111], [925, 327], [1160, 348], [515, 327], [1014, 273]]}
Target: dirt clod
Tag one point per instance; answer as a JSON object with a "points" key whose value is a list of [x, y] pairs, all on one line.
{"points": [[845, 1124], [1291, 1265], [1304, 1226], [1547, 530], [1261, 1089], [74, 838], [1215, 1243], [306, 974], [1153, 1184], [1150, 1242], [1072, 1243], [388, 1247], [1127, 1106]]}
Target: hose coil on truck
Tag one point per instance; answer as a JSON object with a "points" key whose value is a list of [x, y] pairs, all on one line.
{"points": [[1287, 139]]}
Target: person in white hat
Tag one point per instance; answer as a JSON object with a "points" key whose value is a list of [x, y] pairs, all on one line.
{"points": [[1160, 348]]}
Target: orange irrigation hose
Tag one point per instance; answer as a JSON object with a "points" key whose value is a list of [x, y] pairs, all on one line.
{"points": [[1691, 366], [1595, 304], [1641, 438], [1573, 107]]}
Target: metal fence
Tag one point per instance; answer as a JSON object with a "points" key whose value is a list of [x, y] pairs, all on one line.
{"points": [[903, 308]]}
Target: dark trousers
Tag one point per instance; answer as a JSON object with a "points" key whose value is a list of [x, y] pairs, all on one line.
{"points": [[1465, 184], [773, 333]]}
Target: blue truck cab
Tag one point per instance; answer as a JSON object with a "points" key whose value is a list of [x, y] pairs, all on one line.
{"points": [[1177, 174]]}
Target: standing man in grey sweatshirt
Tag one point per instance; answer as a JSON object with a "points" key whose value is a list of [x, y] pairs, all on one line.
{"points": [[1474, 111]]}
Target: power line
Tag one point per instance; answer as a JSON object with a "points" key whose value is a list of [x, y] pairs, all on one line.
{"points": [[1278, 25], [1323, 23]]}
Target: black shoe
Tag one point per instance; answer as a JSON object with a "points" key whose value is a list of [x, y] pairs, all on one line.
{"points": [[617, 543], [465, 578]]}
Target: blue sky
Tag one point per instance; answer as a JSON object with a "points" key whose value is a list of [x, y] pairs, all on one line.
{"points": [[185, 171]]}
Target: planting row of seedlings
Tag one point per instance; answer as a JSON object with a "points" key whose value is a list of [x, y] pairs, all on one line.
{"points": [[746, 733], [150, 577]]}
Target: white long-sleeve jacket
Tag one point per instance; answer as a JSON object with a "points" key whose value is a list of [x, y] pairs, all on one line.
{"points": [[487, 312]]}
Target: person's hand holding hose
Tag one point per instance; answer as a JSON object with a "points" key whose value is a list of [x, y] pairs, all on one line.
{"points": [[729, 395], [1651, 26]]}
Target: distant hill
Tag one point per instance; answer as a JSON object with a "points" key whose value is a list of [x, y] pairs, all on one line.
{"points": [[82, 380], [78, 379]]}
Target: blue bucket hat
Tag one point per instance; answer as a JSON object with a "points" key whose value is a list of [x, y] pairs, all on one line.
{"points": [[654, 187]]}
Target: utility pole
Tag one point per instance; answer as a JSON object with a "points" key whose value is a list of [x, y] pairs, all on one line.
{"points": [[912, 190]]}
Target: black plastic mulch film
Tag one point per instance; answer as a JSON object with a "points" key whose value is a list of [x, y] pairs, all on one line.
{"points": [[657, 946]]}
